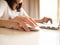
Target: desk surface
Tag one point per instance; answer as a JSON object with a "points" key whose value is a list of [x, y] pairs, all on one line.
{"points": [[13, 32], [14, 37]]}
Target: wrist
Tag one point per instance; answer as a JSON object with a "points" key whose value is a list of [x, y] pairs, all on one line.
{"points": [[4, 23]]}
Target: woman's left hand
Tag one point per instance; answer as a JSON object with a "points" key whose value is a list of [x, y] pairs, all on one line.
{"points": [[45, 19]]}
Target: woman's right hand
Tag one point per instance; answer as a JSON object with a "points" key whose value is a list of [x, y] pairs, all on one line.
{"points": [[22, 21], [13, 25]]}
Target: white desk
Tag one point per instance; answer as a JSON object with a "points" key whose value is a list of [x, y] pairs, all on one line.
{"points": [[42, 37]]}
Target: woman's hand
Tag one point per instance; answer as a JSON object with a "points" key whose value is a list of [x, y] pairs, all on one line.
{"points": [[13, 25], [45, 19], [23, 21]]}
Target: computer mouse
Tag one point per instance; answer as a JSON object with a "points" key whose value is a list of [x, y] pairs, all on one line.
{"points": [[34, 29], [37, 28]]}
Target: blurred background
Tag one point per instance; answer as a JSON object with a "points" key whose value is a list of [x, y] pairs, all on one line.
{"points": [[31, 7], [43, 8]]}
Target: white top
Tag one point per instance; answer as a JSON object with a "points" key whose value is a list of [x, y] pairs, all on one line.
{"points": [[6, 12]]}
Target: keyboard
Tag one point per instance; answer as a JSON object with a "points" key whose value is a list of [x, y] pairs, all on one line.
{"points": [[48, 26]]}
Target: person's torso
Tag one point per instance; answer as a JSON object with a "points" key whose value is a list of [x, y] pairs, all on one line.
{"points": [[9, 13]]}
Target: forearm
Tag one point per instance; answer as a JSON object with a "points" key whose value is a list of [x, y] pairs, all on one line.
{"points": [[4, 23], [45, 20], [39, 20]]}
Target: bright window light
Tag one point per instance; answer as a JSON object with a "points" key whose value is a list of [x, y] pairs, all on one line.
{"points": [[49, 8]]}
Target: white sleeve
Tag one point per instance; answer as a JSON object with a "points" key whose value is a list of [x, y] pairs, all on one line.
{"points": [[23, 12], [2, 8]]}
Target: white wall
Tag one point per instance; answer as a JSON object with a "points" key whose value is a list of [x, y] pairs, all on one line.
{"points": [[48, 8]]}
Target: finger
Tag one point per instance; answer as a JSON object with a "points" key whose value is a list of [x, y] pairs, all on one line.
{"points": [[50, 20], [24, 26], [16, 26], [33, 21], [45, 20], [25, 19], [19, 28], [30, 22]]}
